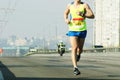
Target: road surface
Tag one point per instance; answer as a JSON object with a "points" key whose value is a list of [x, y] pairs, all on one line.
{"points": [[93, 66]]}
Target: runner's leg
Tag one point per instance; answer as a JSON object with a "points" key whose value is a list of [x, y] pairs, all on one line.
{"points": [[74, 45]]}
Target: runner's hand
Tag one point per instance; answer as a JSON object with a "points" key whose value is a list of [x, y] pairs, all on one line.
{"points": [[80, 14], [67, 21]]}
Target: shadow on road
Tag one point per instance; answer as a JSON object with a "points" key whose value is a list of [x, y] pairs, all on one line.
{"points": [[8, 75]]}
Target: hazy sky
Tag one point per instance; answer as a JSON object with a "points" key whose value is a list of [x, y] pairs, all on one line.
{"points": [[37, 18]]}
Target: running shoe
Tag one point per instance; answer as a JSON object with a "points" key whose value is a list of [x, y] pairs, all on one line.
{"points": [[76, 71]]}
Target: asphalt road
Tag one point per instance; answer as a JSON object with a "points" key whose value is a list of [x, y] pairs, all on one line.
{"points": [[93, 66]]}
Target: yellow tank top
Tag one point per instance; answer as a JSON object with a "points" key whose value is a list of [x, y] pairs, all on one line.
{"points": [[77, 23]]}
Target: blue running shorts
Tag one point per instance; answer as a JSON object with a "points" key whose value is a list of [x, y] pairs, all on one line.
{"points": [[80, 34]]}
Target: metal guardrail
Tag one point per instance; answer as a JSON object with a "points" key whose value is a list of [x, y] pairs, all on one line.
{"points": [[87, 50], [95, 50], [26, 51]]}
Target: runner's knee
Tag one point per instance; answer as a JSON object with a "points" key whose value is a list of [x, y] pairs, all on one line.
{"points": [[80, 50]]}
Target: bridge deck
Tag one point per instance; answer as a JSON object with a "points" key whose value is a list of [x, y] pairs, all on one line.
{"points": [[93, 66]]}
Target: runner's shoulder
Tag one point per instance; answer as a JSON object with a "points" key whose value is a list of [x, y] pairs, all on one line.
{"points": [[85, 4]]}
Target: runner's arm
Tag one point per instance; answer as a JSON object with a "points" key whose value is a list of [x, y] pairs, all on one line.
{"points": [[89, 12], [66, 12]]}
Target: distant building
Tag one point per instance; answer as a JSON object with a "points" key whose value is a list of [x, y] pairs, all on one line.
{"points": [[107, 23]]}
